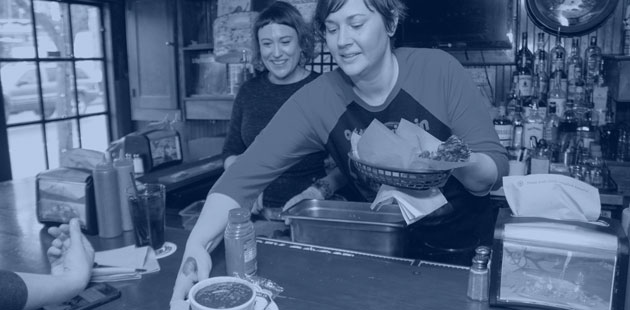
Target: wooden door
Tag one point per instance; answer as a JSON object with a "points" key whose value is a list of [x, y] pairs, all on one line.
{"points": [[152, 58]]}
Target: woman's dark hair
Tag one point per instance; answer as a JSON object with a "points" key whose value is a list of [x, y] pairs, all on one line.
{"points": [[392, 11], [283, 13]]}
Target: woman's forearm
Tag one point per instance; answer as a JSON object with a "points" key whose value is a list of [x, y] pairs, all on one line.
{"points": [[478, 177], [334, 180], [229, 161], [211, 223], [46, 289]]}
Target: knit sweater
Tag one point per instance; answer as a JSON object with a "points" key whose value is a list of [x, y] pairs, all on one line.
{"points": [[256, 103]]}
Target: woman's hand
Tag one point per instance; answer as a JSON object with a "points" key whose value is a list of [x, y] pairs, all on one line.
{"points": [[195, 267], [258, 205], [309, 193], [71, 255]]}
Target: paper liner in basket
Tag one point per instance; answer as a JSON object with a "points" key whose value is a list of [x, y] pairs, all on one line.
{"points": [[400, 150]]}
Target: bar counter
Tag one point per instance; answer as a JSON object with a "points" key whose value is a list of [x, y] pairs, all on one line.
{"points": [[312, 277]]}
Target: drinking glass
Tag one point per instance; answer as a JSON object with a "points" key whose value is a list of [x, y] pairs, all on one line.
{"points": [[147, 204]]}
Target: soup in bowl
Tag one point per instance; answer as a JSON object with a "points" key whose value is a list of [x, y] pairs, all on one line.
{"points": [[226, 293]]}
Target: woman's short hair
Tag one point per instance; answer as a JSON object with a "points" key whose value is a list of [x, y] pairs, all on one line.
{"points": [[393, 12], [283, 13]]}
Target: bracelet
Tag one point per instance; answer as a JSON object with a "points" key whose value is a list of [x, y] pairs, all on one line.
{"points": [[324, 187]]}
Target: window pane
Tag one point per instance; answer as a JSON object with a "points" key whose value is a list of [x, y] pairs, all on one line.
{"points": [[20, 91], [58, 89], [90, 85], [94, 133], [62, 136], [26, 149], [16, 29], [86, 25], [53, 29]]}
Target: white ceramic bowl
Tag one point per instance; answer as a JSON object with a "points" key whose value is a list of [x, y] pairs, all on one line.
{"points": [[248, 304]]}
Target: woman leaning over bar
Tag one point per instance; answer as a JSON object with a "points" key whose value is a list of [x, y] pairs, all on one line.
{"points": [[373, 81], [285, 45]]}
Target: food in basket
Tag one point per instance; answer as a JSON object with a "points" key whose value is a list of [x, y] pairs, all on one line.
{"points": [[452, 150], [400, 150]]}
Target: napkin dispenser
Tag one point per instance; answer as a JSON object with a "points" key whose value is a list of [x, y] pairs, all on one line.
{"points": [[554, 264], [65, 193], [158, 148]]}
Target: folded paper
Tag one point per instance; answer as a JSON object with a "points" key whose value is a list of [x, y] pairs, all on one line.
{"points": [[552, 196], [379, 145], [413, 204], [124, 263]]}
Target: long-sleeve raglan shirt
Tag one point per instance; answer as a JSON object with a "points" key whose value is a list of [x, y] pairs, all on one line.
{"points": [[257, 102], [13, 291], [433, 90]]}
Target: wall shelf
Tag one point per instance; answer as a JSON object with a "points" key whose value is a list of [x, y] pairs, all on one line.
{"points": [[198, 47], [209, 108]]}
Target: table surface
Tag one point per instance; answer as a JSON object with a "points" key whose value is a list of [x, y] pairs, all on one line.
{"points": [[312, 277]]}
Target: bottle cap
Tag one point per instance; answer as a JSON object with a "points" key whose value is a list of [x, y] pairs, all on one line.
{"points": [[238, 216], [480, 262], [482, 251]]}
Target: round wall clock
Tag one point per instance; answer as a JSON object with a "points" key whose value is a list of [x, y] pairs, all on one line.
{"points": [[569, 17]]}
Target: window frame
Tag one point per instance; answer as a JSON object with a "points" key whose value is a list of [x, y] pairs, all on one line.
{"points": [[106, 59]]}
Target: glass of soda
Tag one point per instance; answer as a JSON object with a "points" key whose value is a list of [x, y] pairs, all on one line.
{"points": [[147, 204]]}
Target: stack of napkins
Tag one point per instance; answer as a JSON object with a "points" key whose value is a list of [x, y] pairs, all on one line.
{"points": [[414, 204], [125, 263]]}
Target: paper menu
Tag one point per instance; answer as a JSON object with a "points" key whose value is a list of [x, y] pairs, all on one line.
{"points": [[124, 263]]}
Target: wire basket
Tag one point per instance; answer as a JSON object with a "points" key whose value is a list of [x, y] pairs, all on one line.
{"points": [[418, 180]]}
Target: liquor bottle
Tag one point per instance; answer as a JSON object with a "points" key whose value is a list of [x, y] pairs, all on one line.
{"points": [[556, 95], [539, 97], [517, 132], [550, 130], [524, 68], [567, 127], [599, 97], [512, 99], [532, 128], [608, 136], [541, 65], [550, 133], [574, 70], [558, 55], [592, 59], [503, 127]]}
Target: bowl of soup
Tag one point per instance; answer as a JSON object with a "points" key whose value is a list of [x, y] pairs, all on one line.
{"points": [[225, 293]]}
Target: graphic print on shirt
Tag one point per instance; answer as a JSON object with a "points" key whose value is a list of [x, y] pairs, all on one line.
{"points": [[358, 118]]}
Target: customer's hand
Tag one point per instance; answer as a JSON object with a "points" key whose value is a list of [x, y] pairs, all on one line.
{"points": [[71, 255], [195, 267], [310, 193]]}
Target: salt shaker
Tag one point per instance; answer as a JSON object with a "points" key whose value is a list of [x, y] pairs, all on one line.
{"points": [[138, 165], [478, 278], [240, 243]]}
